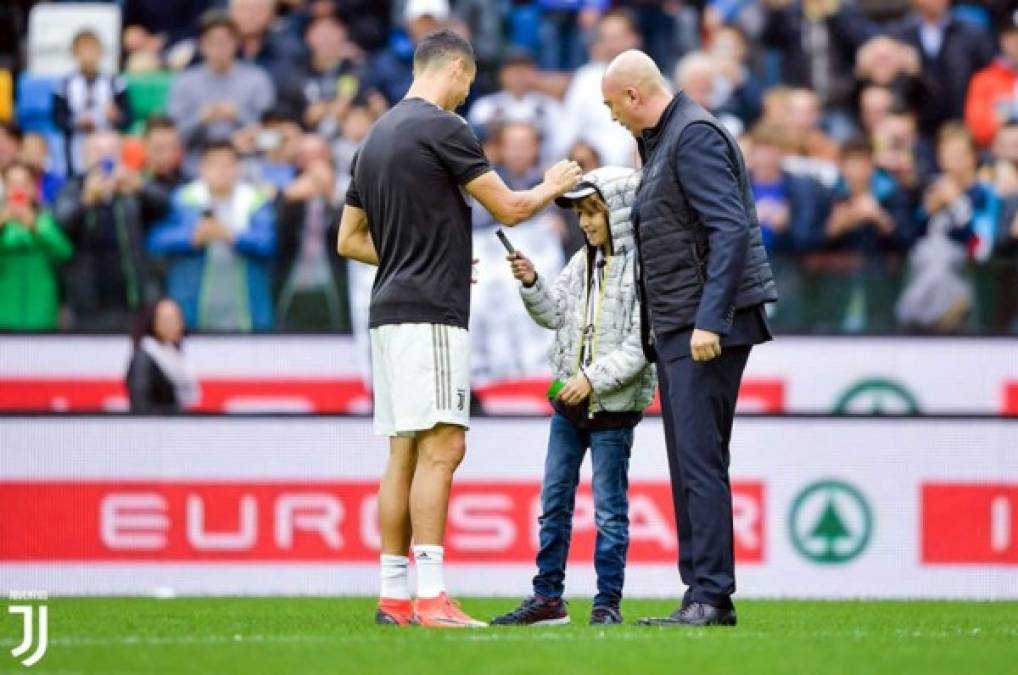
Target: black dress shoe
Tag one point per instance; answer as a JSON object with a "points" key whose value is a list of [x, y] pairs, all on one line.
{"points": [[694, 614]]}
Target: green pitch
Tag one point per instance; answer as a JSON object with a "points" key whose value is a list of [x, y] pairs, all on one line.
{"points": [[320, 635]]}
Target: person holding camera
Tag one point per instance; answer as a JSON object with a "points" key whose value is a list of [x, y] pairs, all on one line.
{"points": [[604, 383], [219, 239], [31, 247], [106, 212]]}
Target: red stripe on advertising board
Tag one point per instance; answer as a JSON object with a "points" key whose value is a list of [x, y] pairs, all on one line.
{"points": [[197, 521], [973, 523], [1010, 398], [311, 395]]}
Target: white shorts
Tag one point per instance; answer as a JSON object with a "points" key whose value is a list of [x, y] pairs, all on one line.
{"points": [[421, 377]]}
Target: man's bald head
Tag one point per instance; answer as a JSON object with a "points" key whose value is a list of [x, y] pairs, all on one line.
{"points": [[634, 90], [633, 68]]}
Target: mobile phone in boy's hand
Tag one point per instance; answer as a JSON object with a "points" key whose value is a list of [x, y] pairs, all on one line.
{"points": [[505, 241]]}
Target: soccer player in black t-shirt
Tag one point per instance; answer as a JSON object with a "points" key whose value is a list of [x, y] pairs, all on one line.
{"points": [[407, 212]]}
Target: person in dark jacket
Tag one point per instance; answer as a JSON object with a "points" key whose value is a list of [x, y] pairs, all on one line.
{"points": [[791, 209], [818, 43], [159, 379], [310, 284], [106, 213], [951, 51], [704, 278]]}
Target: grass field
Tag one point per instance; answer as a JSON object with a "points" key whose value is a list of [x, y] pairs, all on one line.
{"points": [[321, 635]]}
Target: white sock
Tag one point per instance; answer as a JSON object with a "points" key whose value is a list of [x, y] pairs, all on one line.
{"points": [[430, 579], [395, 577]]}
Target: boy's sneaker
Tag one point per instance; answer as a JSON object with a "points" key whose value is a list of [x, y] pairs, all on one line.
{"points": [[393, 612], [535, 611], [441, 612], [605, 615]]}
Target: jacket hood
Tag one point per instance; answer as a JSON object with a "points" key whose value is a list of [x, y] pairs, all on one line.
{"points": [[617, 186]]}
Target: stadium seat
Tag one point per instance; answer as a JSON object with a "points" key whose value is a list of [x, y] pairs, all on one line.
{"points": [[34, 108], [147, 94], [6, 95], [52, 26]]}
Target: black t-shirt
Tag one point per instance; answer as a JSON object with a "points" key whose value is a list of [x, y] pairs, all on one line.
{"points": [[407, 176]]}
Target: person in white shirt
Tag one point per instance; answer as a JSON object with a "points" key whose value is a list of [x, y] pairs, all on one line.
{"points": [[587, 119], [520, 101]]}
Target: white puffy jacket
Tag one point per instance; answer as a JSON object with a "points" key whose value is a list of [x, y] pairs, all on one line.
{"points": [[622, 379]]}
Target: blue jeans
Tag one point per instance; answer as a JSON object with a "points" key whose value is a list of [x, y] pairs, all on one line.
{"points": [[609, 450]]}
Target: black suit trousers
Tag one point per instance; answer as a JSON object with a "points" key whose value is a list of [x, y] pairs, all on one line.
{"points": [[698, 406]]}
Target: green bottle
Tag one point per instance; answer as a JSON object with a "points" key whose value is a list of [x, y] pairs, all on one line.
{"points": [[555, 388]]}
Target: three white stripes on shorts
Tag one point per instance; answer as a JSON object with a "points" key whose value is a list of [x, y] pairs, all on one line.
{"points": [[443, 375]]}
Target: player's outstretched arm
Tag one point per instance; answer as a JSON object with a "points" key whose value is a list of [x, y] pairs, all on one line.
{"points": [[354, 240], [511, 207]]}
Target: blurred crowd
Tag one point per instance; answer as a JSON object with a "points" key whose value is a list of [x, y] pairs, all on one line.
{"points": [[882, 140]]}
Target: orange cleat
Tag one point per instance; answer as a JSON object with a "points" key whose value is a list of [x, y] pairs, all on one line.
{"points": [[441, 612], [394, 612]]}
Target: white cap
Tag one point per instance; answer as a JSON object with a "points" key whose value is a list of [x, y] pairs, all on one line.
{"points": [[437, 9]]}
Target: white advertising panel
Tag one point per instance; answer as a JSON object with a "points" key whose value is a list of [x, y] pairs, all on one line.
{"points": [[823, 508], [326, 374]]}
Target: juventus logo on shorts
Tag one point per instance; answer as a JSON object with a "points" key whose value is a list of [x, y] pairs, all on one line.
{"points": [[461, 398]]}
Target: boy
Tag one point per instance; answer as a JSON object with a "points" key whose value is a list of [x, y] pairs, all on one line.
{"points": [[88, 101], [606, 383]]}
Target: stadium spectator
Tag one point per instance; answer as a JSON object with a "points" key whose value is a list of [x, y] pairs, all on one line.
{"points": [[311, 283], [894, 65], [961, 218], [875, 103], [869, 212], [519, 100], [992, 99], [159, 24], [219, 238], [88, 100], [332, 75], [106, 212], [564, 31], [732, 53], [1001, 169], [520, 156], [699, 75], [163, 155], [817, 41], [901, 152], [10, 144], [262, 43], [505, 344], [390, 70], [269, 150], [968, 207], [585, 155], [586, 117], [213, 100], [518, 164], [791, 210], [809, 151], [951, 51], [353, 127], [31, 248], [159, 378], [35, 153], [870, 225], [790, 207]]}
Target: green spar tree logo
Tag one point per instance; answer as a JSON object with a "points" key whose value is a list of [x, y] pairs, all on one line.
{"points": [[830, 522], [876, 396]]}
